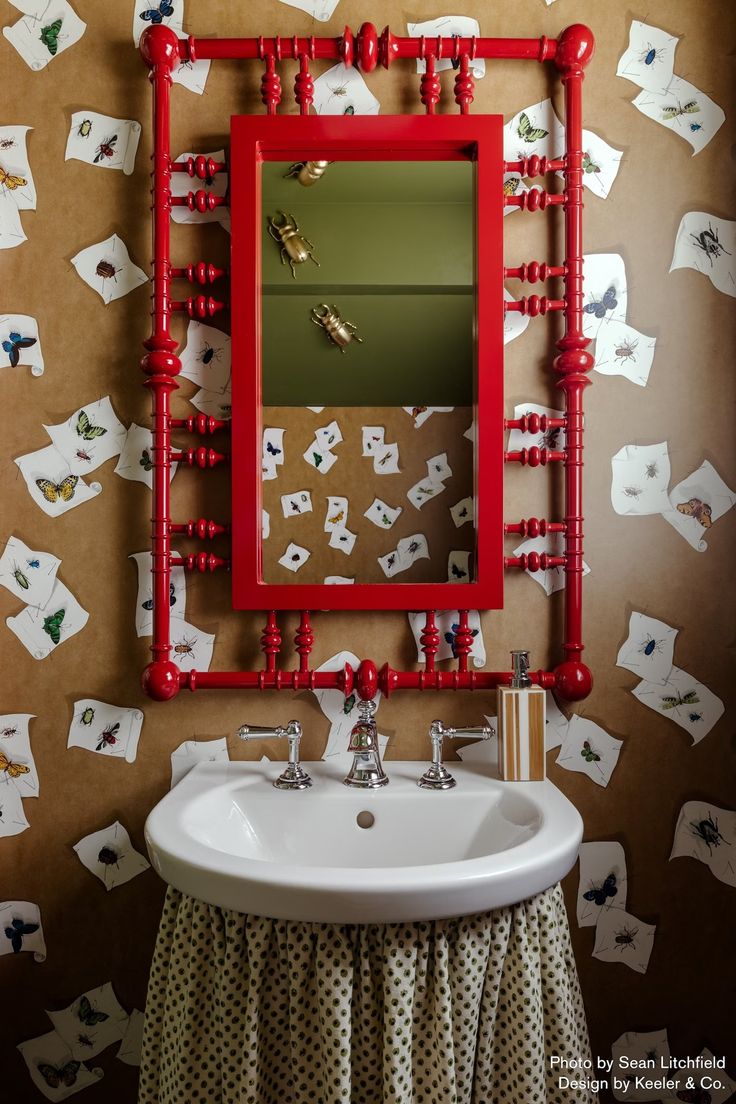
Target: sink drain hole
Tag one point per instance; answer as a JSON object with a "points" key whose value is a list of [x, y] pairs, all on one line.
{"points": [[365, 819]]}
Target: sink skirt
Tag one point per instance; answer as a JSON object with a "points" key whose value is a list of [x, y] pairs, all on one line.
{"points": [[246, 1010]]}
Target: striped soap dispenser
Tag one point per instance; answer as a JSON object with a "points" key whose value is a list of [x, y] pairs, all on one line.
{"points": [[521, 724]]}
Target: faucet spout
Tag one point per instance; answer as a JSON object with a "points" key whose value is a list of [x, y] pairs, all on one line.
{"points": [[367, 770]]}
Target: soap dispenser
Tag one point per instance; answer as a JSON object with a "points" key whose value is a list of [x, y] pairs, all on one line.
{"points": [[521, 724]]}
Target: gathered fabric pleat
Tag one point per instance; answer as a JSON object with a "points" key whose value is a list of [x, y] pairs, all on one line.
{"points": [[243, 1009]]}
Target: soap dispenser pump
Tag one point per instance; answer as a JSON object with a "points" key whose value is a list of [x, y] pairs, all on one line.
{"points": [[521, 725]]}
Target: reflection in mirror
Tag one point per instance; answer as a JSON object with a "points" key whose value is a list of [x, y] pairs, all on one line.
{"points": [[368, 378]]}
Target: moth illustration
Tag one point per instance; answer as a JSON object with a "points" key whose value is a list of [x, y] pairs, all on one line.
{"points": [[13, 770], [50, 36], [11, 182], [52, 625], [588, 754]]}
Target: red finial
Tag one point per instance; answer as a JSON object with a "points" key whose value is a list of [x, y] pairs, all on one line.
{"points": [[159, 46], [161, 680], [573, 680], [575, 47]]}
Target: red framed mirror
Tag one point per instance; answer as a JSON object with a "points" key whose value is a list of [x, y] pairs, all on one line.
{"points": [[400, 236]]}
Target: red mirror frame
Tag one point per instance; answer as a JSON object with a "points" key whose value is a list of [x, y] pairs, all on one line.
{"points": [[255, 139]]}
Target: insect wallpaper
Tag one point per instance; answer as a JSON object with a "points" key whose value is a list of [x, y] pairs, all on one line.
{"points": [[648, 758]]}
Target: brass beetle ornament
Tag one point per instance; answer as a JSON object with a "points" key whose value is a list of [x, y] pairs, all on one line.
{"points": [[337, 330], [295, 248], [308, 172]]}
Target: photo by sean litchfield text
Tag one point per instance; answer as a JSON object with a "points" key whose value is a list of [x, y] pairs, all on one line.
{"points": [[627, 1074]]}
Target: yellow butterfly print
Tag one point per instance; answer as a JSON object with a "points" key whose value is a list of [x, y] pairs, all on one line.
{"points": [[53, 491], [11, 182], [14, 770], [336, 518], [511, 186]]}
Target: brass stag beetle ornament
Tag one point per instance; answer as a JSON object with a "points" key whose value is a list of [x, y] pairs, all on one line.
{"points": [[308, 172], [337, 330], [295, 248]]}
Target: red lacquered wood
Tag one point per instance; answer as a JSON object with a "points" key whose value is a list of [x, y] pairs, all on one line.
{"points": [[575, 49], [366, 679], [464, 85], [202, 424], [390, 680], [159, 48], [203, 562], [534, 423], [534, 527], [532, 272], [430, 640], [200, 529], [304, 640], [430, 86], [197, 306], [199, 273], [534, 561], [271, 83], [269, 680], [200, 201], [463, 641], [534, 456], [533, 305], [201, 457], [204, 168], [304, 86], [367, 47], [420, 137], [530, 167], [271, 641], [536, 199]]}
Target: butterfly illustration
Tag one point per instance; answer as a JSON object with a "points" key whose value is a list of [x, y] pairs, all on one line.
{"points": [[145, 461], [50, 36], [13, 770], [336, 518], [599, 894], [155, 15], [589, 165], [148, 604], [450, 638], [272, 449], [511, 186], [58, 1077], [697, 509], [672, 701], [458, 572], [599, 308], [588, 754], [18, 928], [417, 410], [11, 182], [527, 132], [52, 492], [88, 1015], [86, 430], [16, 342], [108, 737], [52, 625]]}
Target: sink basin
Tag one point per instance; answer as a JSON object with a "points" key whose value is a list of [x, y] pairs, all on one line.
{"points": [[224, 834]]}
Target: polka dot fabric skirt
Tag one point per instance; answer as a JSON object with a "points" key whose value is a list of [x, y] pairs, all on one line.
{"points": [[247, 1010]]}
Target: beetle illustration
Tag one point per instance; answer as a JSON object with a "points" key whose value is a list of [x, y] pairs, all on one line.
{"points": [[708, 241], [7, 143], [707, 831], [108, 856], [650, 645], [625, 938], [626, 350], [87, 716], [82, 455], [295, 248], [185, 647], [107, 271], [84, 129], [209, 353], [650, 55]]}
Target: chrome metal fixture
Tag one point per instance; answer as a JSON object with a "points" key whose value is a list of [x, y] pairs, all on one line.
{"points": [[437, 776], [366, 771], [294, 777]]}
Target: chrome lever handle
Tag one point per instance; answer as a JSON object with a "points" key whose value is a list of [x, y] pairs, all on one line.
{"points": [[293, 777], [437, 776]]}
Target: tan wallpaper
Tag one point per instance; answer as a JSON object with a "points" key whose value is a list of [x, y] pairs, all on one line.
{"points": [[637, 563]]}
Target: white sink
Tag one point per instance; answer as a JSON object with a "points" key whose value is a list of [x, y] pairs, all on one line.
{"points": [[228, 837]]}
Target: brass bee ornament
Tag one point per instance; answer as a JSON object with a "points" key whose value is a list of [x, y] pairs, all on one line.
{"points": [[339, 331], [295, 248], [308, 172]]}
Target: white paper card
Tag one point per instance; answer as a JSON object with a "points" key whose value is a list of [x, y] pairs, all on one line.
{"points": [[103, 141], [51, 484], [298, 502], [191, 647], [89, 437], [696, 502], [588, 749], [112, 730], [603, 880], [336, 514], [649, 648], [341, 90], [205, 359], [605, 291], [91, 1023], [294, 557], [638, 1046], [55, 1072], [107, 268], [621, 937], [381, 514], [15, 164], [110, 855], [13, 820], [684, 700], [707, 833], [39, 39], [707, 244], [42, 630], [684, 109], [620, 350], [448, 623], [21, 929], [650, 57], [640, 478], [17, 765], [144, 597], [28, 574]]}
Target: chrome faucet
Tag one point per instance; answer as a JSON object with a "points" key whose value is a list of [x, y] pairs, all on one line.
{"points": [[293, 777], [366, 770], [437, 776]]}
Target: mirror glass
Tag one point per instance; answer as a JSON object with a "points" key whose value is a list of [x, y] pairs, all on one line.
{"points": [[368, 377]]}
